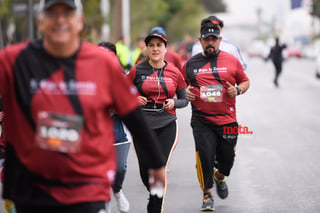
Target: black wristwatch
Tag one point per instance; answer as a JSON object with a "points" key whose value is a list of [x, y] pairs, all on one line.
{"points": [[239, 92]]}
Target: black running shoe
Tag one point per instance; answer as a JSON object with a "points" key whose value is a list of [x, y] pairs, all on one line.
{"points": [[221, 186]]}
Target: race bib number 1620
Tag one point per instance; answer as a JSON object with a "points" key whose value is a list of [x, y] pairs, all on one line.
{"points": [[59, 132]]}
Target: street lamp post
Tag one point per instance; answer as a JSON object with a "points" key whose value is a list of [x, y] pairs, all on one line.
{"points": [[126, 21]]}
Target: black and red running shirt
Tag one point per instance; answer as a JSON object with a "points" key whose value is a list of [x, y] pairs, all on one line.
{"points": [[158, 85], [88, 83], [203, 72]]}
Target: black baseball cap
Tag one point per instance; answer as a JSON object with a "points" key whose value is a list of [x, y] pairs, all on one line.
{"points": [[71, 3], [156, 34], [210, 29]]}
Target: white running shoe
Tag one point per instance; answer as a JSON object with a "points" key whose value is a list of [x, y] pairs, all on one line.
{"points": [[122, 202]]}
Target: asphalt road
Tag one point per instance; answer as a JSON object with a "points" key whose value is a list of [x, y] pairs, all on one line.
{"points": [[276, 168]]}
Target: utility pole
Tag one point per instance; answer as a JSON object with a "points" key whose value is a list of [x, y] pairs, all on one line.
{"points": [[121, 20], [105, 11], [30, 18], [126, 21], [117, 20]]}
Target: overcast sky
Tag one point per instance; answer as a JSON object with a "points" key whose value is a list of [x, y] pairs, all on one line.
{"points": [[247, 9], [272, 11]]}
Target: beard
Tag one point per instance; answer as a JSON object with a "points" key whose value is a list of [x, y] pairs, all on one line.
{"points": [[210, 51]]}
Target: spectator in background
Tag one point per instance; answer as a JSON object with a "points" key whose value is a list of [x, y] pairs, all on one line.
{"points": [[124, 54], [185, 48], [122, 145], [139, 54], [225, 45]]}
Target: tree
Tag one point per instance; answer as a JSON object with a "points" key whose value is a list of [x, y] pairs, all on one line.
{"points": [[186, 20], [316, 8], [5, 14], [93, 20], [178, 17], [146, 14]]}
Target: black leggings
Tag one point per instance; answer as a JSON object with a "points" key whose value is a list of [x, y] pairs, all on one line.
{"points": [[167, 136], [278, 69], [215, 148]]}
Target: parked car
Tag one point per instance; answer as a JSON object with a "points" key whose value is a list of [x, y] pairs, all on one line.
{"points": [[292, 51], [258, 48], [309, 52]]}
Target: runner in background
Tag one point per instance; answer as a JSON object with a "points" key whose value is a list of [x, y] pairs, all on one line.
{"points": [[277, 59], [138, 54], [124, 54], [122, 145]]}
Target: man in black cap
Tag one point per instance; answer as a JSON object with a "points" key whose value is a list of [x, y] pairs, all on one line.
{"points": [[59, 135], [215, 78], [225, 44]]}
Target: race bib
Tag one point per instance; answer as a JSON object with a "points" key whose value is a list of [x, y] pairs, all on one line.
{"points": [[59, 132], [211, 93]]}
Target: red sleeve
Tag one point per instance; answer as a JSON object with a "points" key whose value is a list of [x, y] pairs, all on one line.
{"points": [[132, 74], [184, 74], [4, 70], [124, 93], [8, 56]]}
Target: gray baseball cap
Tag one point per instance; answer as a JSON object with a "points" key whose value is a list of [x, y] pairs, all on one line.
{"points": [[45, 4]]}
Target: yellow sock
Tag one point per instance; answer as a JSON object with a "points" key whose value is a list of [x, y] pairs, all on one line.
{"points": [[9, 206]]}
